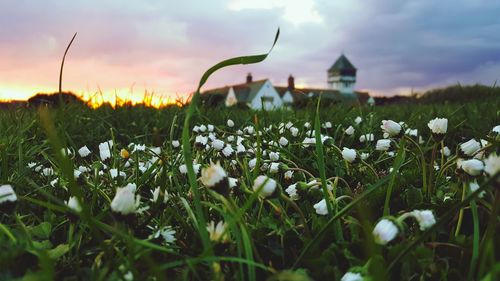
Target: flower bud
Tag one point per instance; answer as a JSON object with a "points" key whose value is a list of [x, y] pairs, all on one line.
{"points": [[8, 198], [385, 231], [265, 186], [349, 154], [391, 128], [215, 177]]}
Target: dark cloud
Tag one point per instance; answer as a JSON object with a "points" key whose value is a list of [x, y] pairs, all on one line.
{"points": [[395, 44]]}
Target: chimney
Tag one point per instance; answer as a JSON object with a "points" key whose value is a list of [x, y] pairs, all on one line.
{"points": [[291, 83], [249, 77]]}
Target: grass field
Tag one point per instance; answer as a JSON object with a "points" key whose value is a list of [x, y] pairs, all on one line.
{"points": [[128, 211]]}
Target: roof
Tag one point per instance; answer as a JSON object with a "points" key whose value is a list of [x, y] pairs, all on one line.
{"points": [[342, 64], [244, 92]]}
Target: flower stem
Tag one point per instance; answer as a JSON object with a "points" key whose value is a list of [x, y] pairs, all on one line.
{"points": [[424, 165], [461, 212], [431, 169]]}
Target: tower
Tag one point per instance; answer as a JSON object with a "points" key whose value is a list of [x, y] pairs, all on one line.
{"points": [[342, 76]]}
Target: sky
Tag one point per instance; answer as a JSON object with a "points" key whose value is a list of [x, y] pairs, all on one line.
{"points": [[163, 47]]}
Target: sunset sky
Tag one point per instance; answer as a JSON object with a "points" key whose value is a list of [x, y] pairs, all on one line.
{"points": [[165, 46]]}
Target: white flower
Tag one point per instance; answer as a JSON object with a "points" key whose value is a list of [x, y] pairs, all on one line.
{"points": [[383, 144], [83, 169], [483, 142], [73, 204], [212, 175], [492, 164], [139, 147], [48, 172], [425, 218], [201, 140], [228, 151], [131, 186], [217, 144], [114, 173], [203, 128], [328, 125], [105, 150], [364, 155], [230, 123], [307, 125], [294, 131], [309, 141], [54, 182], [156, 195], [366, 137], [233, 182], [349, 131], [274, 156], [472, 167], [176, 143], [84, 151], [390, 127], [274, 168], [7, 194], [470, 147], [291, 190], [266, 185], [352, 276], [76, 174], [183, 168], [210, 127], [385, 231], [496, 129], [412, 132], [438, 125], [446, 151], [230, 138], [155, 151], [166, 232], [321, 208], [358, 120], [240, 148], [473, 186], [283, 141], [252, 163], [217, 232], [124, 201], [288, 175], [250, 130], [349, 154]]}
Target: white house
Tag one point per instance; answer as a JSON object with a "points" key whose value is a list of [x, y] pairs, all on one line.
{"points": [[253, 94], [262, 94]]}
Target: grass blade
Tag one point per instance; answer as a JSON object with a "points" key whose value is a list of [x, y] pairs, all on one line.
{"points": [[186, 149]]}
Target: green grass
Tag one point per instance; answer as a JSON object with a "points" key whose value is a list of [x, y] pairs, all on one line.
{"points": [[284, 236], [43, 239]]}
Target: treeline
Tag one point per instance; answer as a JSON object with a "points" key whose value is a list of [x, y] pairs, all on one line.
{"points": [[450, 94], [459, 93]]}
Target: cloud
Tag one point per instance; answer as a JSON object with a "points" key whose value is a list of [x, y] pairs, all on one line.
{"points": [[166, 45]]}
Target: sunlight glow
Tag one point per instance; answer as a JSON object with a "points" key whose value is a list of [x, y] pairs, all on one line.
{"points": [[119, 97]]}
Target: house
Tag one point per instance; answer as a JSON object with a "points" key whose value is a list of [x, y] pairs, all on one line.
{"points": [[262, 94]]}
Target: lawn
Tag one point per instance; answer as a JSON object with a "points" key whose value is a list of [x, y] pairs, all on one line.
{"points": [[106, 194]]}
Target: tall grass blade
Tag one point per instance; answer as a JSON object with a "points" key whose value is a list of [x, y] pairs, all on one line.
{"points": [[186, 149]]}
